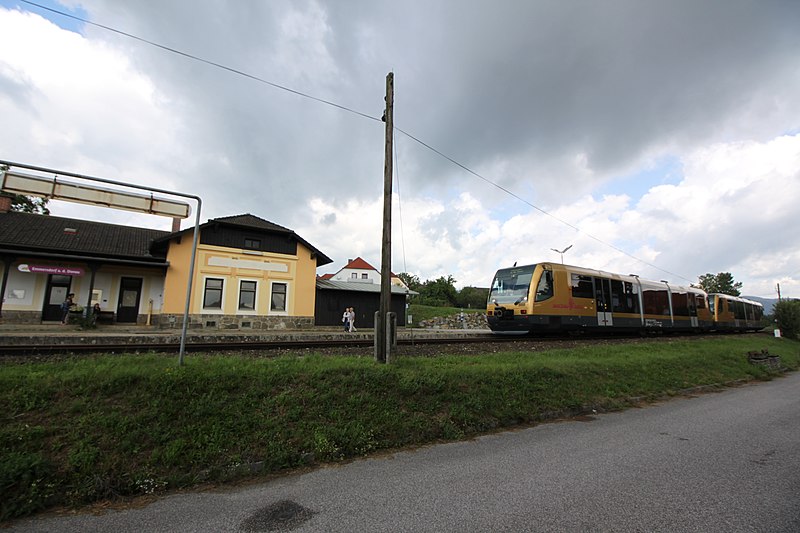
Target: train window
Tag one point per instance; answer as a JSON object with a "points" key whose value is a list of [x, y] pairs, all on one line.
{"points": [[511, 284], [711, 305], [680, 304], [544, 290], [656, 302], [700, 301], [581, 286], [623, 298], [631, 298], [738, 310]]}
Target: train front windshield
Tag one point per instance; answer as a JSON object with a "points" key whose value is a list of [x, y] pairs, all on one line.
{"points": [[511, 285]]}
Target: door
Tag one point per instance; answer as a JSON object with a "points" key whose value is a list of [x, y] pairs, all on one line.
{"points": [[55, 294], [130, 291], [602, 291]]}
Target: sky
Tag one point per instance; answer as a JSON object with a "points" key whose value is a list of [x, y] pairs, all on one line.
{"points": [[655, 138]]}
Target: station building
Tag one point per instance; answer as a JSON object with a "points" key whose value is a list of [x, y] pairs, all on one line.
{"points": [[249, 272]]}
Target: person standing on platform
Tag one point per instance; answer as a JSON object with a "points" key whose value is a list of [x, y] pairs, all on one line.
{"points": [[65, 307], [346, 318], [352, 315]]}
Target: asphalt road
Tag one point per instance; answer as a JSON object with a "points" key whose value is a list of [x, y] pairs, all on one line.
{"points": [[727, 461]]}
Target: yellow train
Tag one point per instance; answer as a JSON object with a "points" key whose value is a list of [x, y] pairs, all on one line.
{"points": [[555, 297]]}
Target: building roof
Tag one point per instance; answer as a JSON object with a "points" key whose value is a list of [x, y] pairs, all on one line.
{"points": [[249, 221], [358, 263], [29, 232], [329, 284]]}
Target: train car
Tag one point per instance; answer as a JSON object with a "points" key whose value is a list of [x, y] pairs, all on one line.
{"points": [[555, 297], [732, 313]]}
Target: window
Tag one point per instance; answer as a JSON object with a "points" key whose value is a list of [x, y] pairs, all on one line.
{"points": [[278, 299], [656, 302], [511, 285], [680, 304], [247, 295], [354, 275], [364, 276], [582, 286], [701, 301], [252, 244], [544, 290], [212, 295]]}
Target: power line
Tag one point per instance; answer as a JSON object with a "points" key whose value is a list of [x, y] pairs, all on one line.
{"points": [[206, 61], [523, 200], [349, 110]]}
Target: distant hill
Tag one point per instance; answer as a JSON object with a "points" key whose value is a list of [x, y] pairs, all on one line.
{"points": [[768, 303]]}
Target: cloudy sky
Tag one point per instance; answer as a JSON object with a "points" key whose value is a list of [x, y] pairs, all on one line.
{"points": [[657, 138]]}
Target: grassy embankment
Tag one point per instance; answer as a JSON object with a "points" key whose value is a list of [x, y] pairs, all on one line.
{"points": [[426, 312], [85, 429]]}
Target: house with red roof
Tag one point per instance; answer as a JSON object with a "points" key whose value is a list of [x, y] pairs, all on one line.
{"points": [[359, 271]]}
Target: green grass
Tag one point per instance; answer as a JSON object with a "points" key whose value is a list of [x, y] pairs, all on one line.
{"points": [[82, 430]]}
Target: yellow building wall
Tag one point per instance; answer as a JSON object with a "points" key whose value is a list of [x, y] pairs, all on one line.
{"points": [[233, 265]]}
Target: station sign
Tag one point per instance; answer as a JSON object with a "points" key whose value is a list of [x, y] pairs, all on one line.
{"points": [[51, 269]]}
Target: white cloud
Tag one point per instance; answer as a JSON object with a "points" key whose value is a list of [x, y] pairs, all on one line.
{"points": [[556, 104]]}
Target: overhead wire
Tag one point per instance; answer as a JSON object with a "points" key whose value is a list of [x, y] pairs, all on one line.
{"points": [[206, 61], [353, 111]]}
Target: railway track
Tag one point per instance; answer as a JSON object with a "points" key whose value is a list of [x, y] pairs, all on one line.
{"points": [[406, 345]]}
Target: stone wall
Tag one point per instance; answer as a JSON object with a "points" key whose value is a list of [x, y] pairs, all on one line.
{"points": [[234, 322], [22, 317], [460, 321]]}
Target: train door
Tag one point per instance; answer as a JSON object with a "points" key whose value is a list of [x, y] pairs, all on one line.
{"points": [[55, 294], [130, 291], [602, 291]]}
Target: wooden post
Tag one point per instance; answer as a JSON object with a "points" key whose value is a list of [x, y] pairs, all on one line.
{"points": [[381, 341]]}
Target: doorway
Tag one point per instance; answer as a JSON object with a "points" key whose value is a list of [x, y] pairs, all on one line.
{"points": [[130, 292], [602, 291], [55, 294]]}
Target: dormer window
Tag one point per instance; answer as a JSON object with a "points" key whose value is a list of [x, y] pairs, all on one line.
{"points": [[252, 244]]}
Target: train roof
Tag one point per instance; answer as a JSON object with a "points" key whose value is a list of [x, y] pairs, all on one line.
{"points": [[735, 298]]}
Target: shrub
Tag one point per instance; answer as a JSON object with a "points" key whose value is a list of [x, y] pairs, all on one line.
{"points": [[787, 315]]}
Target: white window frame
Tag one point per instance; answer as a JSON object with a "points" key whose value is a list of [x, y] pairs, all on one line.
{"points": [[252, 311], [270, 311], [214, 310]]}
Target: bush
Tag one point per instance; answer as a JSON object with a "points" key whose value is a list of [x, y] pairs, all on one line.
{"points": [[787, 315]]}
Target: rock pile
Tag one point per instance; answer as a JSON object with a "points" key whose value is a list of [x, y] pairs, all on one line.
{"points": [[460, 321]]}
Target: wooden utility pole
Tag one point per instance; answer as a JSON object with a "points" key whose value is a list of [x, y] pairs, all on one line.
{"points": [[382, 322]]}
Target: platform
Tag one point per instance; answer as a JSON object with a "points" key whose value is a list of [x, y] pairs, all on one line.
{"points": [[60, 335]]}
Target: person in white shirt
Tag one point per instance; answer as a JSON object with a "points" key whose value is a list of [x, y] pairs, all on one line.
{"points": [[352, 318]]}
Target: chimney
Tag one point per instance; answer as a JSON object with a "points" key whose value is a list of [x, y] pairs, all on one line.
{"points": [[5, 203], [176, 225]]}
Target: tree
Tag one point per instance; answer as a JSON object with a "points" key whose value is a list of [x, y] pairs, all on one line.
{"points": [[787, 315], [472, 297], [720, 283], [439, 292], [411, 281], [27, 204]]}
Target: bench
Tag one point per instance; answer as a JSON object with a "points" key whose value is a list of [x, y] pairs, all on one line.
{"points": [[105, 317]]}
